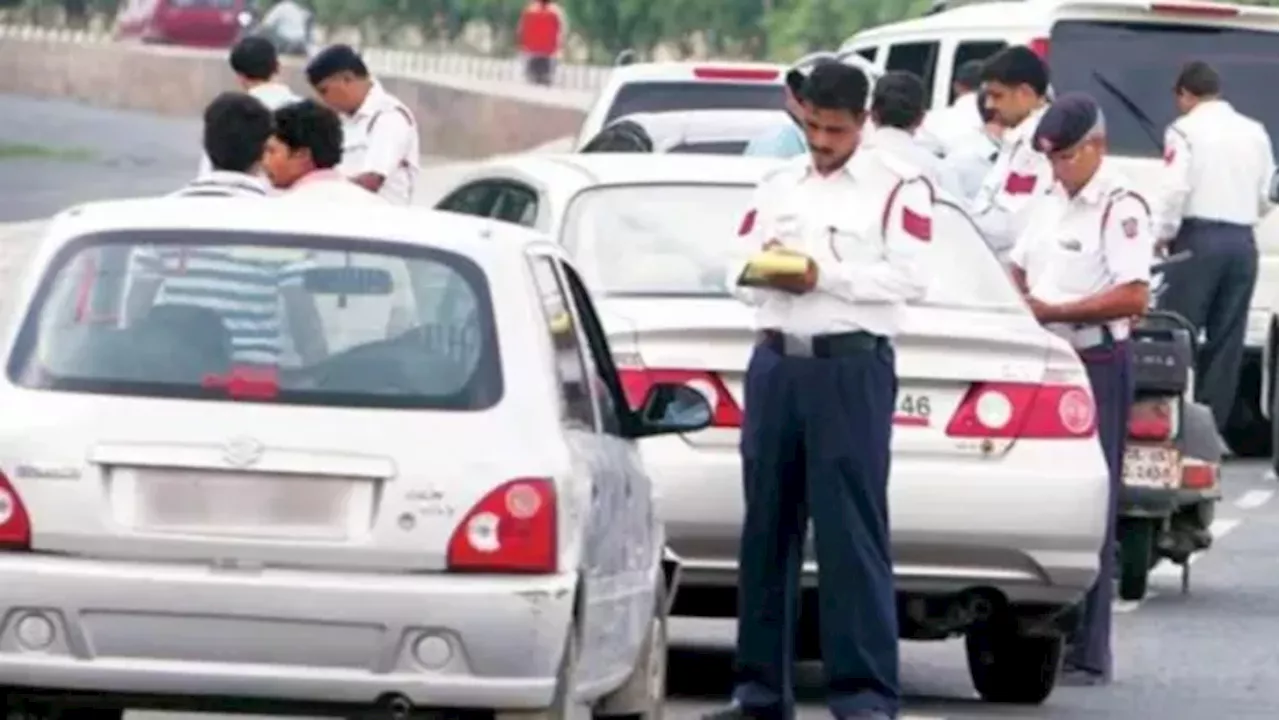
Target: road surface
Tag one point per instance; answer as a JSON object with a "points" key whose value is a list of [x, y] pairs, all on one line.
{"points": [[1210, 654]]}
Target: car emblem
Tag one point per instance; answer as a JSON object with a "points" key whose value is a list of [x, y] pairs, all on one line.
{"points": [[242, 452]]}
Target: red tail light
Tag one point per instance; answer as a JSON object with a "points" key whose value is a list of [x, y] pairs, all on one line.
{"points": [[1024, 410], [735, 73], [15, 524], [511, 530], [1177, 8], [1198, 475], [1151, 420], [725, 412], [1040, 46]]}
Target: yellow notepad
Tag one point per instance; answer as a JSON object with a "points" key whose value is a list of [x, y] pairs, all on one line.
{"points": [[771, 263]]}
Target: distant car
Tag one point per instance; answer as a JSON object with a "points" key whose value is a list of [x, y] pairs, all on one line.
{"points": [[705, 132], [999, 487], [442, 511], [194, 23]]}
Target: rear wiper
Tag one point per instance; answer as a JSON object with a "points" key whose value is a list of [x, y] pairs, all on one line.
{"points": [[1144, 121]]}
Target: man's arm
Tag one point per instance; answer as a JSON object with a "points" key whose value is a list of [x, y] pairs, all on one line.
{"points": [[1266, 194], [755, 223], [1001, 207], [146, 273], [303, 317], [1175, 185], [388, 143]]}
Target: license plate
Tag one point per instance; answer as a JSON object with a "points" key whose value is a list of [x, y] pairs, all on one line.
{"points": [[1146, 466], [249, 505]]}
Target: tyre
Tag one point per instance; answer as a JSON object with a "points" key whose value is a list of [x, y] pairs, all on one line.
{"points": [[644, 695], [563, 704], [1137, 556], [1009, 667]]}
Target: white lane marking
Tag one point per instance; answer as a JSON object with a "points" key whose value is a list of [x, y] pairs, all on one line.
{"points": [[1218, 529], [1254, 499]]}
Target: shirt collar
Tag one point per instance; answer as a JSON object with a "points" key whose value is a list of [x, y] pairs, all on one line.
{"points": [[885, 136], [1025, 129], [844, 173], [1209, 106], [372, 100], [231, 179], [1098, 187], [318, 176]]}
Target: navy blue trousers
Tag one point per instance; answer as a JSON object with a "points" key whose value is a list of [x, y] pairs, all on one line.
{"points": [[815, 445], [1111, 377]]}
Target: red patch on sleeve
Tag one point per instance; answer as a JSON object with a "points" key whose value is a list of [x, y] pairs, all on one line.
{"points": [[748, 223], [1169, 155], [1016, 184], [1129, 226], [917, 226]]}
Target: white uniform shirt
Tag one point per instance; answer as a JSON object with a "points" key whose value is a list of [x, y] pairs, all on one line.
{"points": [[287, 20], [965, 168], [905, 147], [1218, 167], [1019, 174], [867, 227], [382, 138], [1077, 247], [954, 123], [274, 95]]}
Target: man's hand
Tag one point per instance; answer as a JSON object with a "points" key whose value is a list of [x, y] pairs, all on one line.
{"points": [[798, 284], [1044, 312]]}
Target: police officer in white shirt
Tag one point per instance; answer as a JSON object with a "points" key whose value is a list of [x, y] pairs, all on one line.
{"points": [[897, 110], [957, 121], [257, 68], [820, 394], [1016, 83], [380, 138], [1084, 265], [971, 157], [1218, 165]]}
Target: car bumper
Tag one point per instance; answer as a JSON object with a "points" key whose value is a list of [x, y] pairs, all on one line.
{"points": [[280, 635]]}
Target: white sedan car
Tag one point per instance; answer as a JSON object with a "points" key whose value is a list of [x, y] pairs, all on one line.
{"points": [[999, 488], [325, 463], [701, 132]]}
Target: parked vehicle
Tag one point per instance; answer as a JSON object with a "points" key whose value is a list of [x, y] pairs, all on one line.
{"points": [[198, 512], [703, 132], [194, 23]]}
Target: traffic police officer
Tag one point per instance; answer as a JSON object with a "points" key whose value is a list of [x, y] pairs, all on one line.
{"points": [[971, 157], [1218, 167], [897, 111], [380, 138], [820, 395], [1016, 83], [1084, 266]]}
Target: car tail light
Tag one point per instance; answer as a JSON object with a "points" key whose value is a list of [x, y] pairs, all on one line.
{"points": [[725, 412], [511, 530], [1024, 410], [15, 524], [1195, 9], [1040, 46], [1198, 475], [1153, 420], [735, 73]]}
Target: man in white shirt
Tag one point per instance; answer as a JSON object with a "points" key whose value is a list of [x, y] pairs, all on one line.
{"points": [[973, 155], [257, 67], [1218, 166], [288, 22], [897, 109], [1016, 82], [380, 151], [960, 119]]}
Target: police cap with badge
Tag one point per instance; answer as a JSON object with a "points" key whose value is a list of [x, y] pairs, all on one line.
{"points": [[1069, 120]]}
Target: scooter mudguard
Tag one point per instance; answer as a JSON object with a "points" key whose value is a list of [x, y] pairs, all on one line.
{"points": [[1199, 437]]}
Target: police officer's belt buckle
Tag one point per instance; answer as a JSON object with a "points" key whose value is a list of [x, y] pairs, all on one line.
{"points": [[1087, 337], [796, 346]]}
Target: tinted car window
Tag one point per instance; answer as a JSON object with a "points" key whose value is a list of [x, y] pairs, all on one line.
{"points": [[1137, 62], [671, 96], [728, 147], [296, 320]]}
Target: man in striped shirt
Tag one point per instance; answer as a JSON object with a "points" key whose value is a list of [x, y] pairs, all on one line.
{"points": [[257, 292]]}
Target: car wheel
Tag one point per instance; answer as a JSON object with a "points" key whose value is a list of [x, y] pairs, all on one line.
{"points": [[563, 705], [1007, 666], [644, 695], [1137, 556]]}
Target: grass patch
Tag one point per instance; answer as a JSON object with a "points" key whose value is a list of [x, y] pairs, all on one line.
{"points": [[30, 151]]}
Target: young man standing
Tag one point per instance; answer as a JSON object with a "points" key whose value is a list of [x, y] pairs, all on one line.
{"points": [[303, 153], [380, 149], [257, 68]]}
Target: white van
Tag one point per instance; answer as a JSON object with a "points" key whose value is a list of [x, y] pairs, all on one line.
{"points": [[1126, 54]]}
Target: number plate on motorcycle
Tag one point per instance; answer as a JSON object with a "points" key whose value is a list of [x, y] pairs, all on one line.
{"points": [[1156, 467]]}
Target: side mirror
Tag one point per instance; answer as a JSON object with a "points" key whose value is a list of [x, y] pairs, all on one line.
{"points": [[672, 408]]}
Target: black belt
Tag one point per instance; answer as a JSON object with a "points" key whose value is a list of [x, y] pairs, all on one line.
{"points": [[821, 346]]}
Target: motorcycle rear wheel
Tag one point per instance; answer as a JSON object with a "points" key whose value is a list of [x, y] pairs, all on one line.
{"points": [[1137, 556]]}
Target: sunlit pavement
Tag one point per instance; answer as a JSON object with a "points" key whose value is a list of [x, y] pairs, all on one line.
{"points": [[1209, 655]]}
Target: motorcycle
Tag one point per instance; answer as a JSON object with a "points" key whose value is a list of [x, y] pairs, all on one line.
{"points": [[1173, 453]]}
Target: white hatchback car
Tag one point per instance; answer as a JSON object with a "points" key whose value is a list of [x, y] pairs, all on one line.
{"points": [[327, 463], [999, 488]]}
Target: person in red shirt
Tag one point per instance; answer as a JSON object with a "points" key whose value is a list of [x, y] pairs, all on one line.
{"points": [[540, 32]]}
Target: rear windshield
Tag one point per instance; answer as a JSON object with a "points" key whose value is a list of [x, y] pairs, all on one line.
{"points": [[1130, 69], [728, 147], [672, 96], [297, 320]]}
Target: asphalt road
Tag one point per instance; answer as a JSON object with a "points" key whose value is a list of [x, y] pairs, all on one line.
{"points": [[1211, 654]]}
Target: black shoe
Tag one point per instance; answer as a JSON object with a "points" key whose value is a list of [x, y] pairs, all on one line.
{"points": [[868, 715], [734, 711]]}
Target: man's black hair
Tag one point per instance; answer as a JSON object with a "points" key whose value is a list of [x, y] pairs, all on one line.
{"points": [[898, 100], [1017, 65], [836, 86], [621, 136], [1199, 79], [333, 60], [309, 125], [236, 128], [255, 58], [969, 75], [987, 114]]}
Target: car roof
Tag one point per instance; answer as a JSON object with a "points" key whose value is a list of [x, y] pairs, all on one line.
{"points": [[706, 125], [463, 234], [684, 70], [593, 169]]}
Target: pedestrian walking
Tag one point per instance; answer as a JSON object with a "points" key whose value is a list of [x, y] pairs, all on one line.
{"points": [[1084, 265], [380, 149], [820, 394], [256, 65], [1218, 166], [897, 111], [541, 32], [972, 157], [1016, 82]]}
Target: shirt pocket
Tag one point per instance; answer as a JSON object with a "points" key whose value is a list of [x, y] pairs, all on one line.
{"points": [[1077, 266], [851, 240]]}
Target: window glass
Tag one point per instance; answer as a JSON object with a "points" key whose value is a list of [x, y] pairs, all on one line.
{"points": [[475, 199], [919, 58], [575, 391], [516, 204], [967, 52], [607, 387], [671, 96]]}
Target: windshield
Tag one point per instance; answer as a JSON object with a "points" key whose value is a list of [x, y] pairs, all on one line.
{"points": [[223, 316], [1122, 63], [672, 96]]}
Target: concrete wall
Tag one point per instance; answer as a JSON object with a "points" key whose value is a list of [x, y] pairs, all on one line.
{"points": [[458, 118]]}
